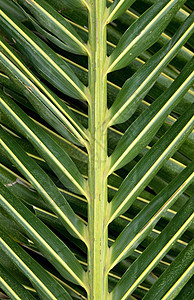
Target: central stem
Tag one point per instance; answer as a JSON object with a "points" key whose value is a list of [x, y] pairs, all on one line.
{"points": [[97, 207]]}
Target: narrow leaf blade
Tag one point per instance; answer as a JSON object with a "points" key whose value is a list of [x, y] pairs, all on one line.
{"points": [[143, 33], [57, 158], [154, 252], [136, 87], [52, 21], [144, 222], [117, 8], [148, 166], [143, 129], [48, 105], [175, 277], [12, 287], [46, 286], [48, 243], [43, 184], [43, 58]]}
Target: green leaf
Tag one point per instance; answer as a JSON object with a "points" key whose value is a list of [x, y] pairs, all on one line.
{"points": [[137, 86], [187, 291], [11, 228], [175, 277], [57, 158], [58, 149], [43, 184], [72, 150], [53, 22], [149, 165], [154, 253], [55, 250], [43, 58], [143, 33], [144, 128], [76, 5], [12, 287], [46, 286], [21, 188], [144, 222], [13, 9], [77, 10], [49, 106], [117, 8]]}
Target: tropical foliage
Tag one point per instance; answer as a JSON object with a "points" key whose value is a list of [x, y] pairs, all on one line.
{"points": [[96, 148]]}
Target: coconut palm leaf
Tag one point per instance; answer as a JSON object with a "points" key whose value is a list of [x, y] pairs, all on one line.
{"points": [[175, 280], [158, 247], [13, 288], [32, 270], [143, 33], [96, 149], [38, 99]]}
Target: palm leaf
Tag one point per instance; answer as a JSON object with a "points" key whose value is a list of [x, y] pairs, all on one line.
{"points": [[13, 288], [171, 283], [148, 217], [118, 8], [32, 269], [135, 88], [142, 173], [44, 59], [96, 149], [50, 151], [143, 33], [57, 112], [48, 191], [158, 249], [49, 19], [59, 254], [148, 129]]}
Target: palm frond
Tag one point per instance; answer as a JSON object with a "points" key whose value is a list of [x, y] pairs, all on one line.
{"points": [[96, 149]]}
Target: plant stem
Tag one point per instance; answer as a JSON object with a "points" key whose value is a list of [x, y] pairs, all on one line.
{"points": [[98, 233]]}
